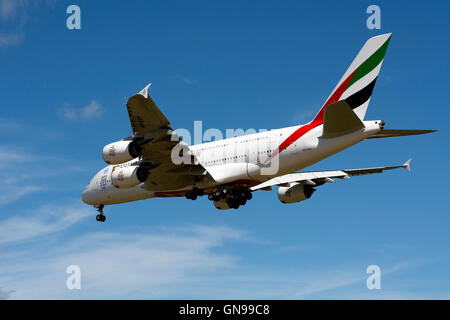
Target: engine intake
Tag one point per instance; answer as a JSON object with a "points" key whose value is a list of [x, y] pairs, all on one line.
{"points": [[121, 151], [295, 193]]}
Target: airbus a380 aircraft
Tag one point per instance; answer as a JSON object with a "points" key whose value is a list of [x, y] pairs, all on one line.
{"points": [[155, 162]]}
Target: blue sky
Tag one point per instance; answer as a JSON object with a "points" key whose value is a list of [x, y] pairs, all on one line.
{"points": [[230, 64]]}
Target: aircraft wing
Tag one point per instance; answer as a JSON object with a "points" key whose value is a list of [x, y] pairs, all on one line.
{"points": [[320, 177], [144, 115], [152, 131]]}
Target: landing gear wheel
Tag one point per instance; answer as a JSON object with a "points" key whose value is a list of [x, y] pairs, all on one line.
{"points": [[232, 203], [100, 217], [225, 192], [191, 195], [198, 192], [217, 195]]}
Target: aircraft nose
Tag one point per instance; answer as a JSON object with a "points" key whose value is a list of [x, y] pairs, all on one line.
{"points": [[85, 195]]}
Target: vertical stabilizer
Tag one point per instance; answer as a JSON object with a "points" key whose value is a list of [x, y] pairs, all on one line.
{"points": [[357, 84]]}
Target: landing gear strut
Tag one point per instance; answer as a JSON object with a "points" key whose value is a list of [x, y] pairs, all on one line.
{"points": [[100, 217]]}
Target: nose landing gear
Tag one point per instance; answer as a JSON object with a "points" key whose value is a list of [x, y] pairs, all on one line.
{"points": [[100, 217]]}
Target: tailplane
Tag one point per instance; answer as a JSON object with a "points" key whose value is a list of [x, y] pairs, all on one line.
{"points": [[390, 133], [356, 86], [339, 119]]}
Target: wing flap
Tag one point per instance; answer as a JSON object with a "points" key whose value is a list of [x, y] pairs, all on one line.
{"points": [[320, 177], [360, 172], [300, 177]]}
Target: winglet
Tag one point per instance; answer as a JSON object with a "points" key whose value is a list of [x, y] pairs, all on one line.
{"points": [[144, 92], [407, 165]]}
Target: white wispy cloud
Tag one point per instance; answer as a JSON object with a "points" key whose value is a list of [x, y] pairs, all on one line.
{"points": [[147, 264], [11, 156], [42, 221], [14, 15], [10, 125], [170, 262], [14, 193], [8, 157], [10, 190], [10, 8], [19, 178], [89, 111], [10, 39], [184, 79], [13, 18], [18, 129], [22, 172]]}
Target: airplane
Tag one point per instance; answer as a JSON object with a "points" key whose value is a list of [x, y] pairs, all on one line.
{"points": [[155, 162]]}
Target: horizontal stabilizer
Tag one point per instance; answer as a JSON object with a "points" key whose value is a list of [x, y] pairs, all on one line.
{"points": [[339, 119], [398, 133]]}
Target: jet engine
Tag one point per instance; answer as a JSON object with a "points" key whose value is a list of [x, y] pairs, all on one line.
{"points": [[127, 177], [121, 151], [295, 193]]}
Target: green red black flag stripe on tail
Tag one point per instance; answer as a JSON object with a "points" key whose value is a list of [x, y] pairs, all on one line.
{"points": [[360, 97], [370, 64], [318, 120], [355, 100]]}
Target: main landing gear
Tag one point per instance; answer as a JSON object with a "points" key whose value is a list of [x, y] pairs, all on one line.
{"points": [[233, 197], [196, 192], [100, 217]]}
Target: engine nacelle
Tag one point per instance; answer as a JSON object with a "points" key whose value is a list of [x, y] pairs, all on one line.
{"points": [[295, 193], [127, 177], [121, 151]]}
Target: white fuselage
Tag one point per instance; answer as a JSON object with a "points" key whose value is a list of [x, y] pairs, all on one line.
{"points": [[242, 159]]}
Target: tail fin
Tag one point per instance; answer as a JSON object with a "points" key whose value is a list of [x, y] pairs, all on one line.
{"points": [[357, 84]]}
